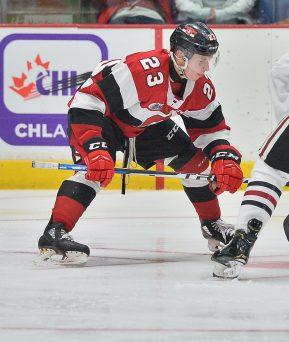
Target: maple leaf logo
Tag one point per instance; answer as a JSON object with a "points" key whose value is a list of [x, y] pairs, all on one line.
{"points": [[25, 85]]}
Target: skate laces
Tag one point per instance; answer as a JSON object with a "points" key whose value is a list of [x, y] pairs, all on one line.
{"points": [[222, 227], [63, 234], [66, 235]]}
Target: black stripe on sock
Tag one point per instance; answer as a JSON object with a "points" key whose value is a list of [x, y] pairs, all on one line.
{"points": [[266, 185], [259, 205]]}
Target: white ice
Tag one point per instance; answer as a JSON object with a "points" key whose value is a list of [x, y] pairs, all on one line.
{"points": [[149, 276]]}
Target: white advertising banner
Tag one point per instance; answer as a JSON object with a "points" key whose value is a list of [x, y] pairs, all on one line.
{"points": [[35, 59]]}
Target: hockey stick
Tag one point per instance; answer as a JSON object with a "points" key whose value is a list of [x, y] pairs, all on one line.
{"points": [[123, 171]]}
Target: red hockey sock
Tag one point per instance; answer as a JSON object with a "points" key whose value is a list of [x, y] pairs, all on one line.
{"points": [[209, 210], [67, 211]]}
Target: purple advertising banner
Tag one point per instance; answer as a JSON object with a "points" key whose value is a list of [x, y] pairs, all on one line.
{"points": [[21, 122]]}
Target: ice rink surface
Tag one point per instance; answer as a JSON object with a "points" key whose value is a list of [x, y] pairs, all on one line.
{"points": [[148, 279]]}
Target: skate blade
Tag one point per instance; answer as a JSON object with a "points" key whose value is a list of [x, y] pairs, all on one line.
{"points": [[213, 245], [49, 256], [227, 272]]}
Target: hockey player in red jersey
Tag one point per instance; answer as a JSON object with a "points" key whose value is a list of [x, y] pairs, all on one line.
{"points": [[127, 105]]}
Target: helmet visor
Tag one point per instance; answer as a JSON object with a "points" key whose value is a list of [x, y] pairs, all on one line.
{"points": [[203, 64], [213, 61]]}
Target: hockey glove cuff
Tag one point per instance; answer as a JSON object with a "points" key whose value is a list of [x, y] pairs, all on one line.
{"points": [[100, 165]]}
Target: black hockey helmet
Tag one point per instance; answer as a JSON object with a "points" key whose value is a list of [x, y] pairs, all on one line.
{"points": [[194, 38]]}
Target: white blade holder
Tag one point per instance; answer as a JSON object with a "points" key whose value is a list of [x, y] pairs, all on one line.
{"points": [[122, 171]]}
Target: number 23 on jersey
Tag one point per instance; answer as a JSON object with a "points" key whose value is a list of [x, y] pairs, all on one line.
{"points": [[152, 63]]}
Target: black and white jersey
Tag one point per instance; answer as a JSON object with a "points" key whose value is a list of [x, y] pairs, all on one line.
{"points": [[275, 150]]}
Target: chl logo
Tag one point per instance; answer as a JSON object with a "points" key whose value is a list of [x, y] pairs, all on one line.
{"points": [[38, 80]]}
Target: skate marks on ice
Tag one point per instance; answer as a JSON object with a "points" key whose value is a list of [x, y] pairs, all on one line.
{"points": [[125, 257], [260, 268], [105, 257], [132, 256]]}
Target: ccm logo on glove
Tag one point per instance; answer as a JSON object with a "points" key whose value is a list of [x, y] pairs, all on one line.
{"points": [[226, 155], [97, 145]]}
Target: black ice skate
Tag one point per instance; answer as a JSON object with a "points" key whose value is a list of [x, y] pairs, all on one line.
{"points": [[238, 250], [218, 233], [55, 241]]}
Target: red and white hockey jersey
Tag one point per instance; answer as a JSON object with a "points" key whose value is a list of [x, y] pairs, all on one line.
{"points": [[138, 92]]}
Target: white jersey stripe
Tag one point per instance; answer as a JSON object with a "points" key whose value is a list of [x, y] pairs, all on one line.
{"points": [[203, 114], [104, 64], [86, 101], [124, 79], [203, 140]]}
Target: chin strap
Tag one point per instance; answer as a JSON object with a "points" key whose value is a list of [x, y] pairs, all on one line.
{"points": [[180, 69]]}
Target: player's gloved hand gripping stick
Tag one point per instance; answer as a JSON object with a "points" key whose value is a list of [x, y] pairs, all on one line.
{"points": [[226, 169]]}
